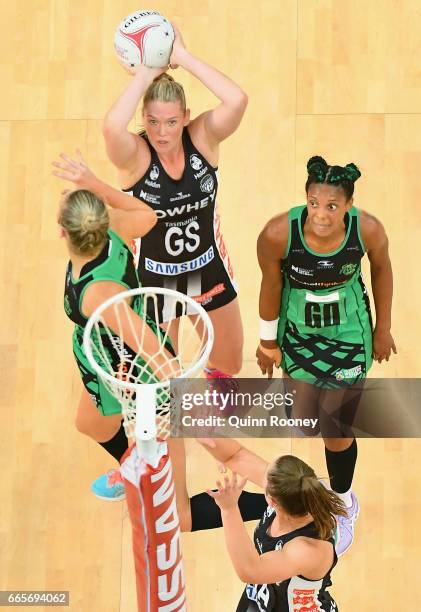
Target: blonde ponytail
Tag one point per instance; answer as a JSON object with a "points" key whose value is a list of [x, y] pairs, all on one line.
{"points": [[165, 89], [85, 218]]}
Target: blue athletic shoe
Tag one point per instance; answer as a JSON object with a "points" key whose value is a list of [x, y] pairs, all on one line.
{"points": [[109, 486]]}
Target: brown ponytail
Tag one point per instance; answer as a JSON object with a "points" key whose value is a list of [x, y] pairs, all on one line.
{"points": [[294, 486]]}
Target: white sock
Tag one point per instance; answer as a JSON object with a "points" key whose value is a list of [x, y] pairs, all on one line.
{"points": [[345, 497]]}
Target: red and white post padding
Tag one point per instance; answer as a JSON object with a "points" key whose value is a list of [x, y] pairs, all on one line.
{"points": [[150, 497]]}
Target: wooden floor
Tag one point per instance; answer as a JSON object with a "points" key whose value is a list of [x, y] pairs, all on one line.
{"points": [[339, 78]]}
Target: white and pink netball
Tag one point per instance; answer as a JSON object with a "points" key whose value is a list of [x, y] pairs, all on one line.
{"points": [[144, 37]]}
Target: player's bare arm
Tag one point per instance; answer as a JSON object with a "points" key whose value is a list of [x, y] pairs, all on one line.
{"points": [[377, 246], [271, 246]]}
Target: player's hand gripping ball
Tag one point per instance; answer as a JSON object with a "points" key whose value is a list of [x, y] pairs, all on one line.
{"points": [[144, 37]]}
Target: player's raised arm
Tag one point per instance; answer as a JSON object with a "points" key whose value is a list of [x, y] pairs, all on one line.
{"points": [[217, 124], [130, 216], [122, 145]]}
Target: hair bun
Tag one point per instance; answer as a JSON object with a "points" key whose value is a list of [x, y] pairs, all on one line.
{"points": [[352, 172], [318, 167], [89, 222], [163, 76]]}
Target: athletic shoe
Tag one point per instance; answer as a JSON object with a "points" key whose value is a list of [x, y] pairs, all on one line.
{"points": [[345, 531], [109, 486]]}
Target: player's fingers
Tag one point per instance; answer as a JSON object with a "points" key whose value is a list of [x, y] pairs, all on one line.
{"points": [[261, 366], [64, 175], [69, 160], [62, 166], [270, 371], [80, 156], [394, 348]]}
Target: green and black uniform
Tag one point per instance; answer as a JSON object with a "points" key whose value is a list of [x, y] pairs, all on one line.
{"points": [[325, 327], [114, 263]]}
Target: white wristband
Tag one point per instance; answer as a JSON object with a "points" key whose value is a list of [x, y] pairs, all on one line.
{"points": [[268, 329]]}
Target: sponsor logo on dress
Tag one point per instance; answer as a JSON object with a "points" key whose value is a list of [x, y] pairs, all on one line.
{"points": [[195, 162], [300, 251], [172, 269], [152, 184], [184, 209], [350, 373], [199, 175], [206, 298], [325, 264], [219, 239], [154, 173], [180, 196], [348, 269], [207, 184], [353, 248], [149, 197], [302, 271]]}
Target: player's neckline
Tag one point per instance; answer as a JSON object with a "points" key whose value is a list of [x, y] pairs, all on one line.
{"points": [[174, 180], [326, 253]]}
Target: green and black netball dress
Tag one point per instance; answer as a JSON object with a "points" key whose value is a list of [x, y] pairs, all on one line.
{"points": [[114, 263], [325, 328]]}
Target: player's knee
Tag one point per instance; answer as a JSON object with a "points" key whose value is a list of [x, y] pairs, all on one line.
{"points": [[237, 365], [231, 366], [81, 424]]}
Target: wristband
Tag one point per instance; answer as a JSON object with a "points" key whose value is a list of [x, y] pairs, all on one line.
{"points": [[268, 329]]}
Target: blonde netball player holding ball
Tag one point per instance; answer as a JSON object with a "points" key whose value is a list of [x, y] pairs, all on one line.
{"points": [[172, 165], [98, 223], [315, 312]]}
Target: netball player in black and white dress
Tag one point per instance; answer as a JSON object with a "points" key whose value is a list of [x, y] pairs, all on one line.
{"points": [[172, 166], [288, 568]]}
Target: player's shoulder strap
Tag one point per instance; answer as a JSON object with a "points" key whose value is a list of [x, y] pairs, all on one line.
{"points": [[294, 220], [355, 220]]}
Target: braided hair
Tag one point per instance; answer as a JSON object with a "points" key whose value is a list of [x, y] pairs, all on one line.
{"points": [[319, 171]]}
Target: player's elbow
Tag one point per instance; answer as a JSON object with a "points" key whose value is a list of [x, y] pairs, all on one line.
{"points": [[240, 101], [149, 221], [246, 575], [243, 100], [112, 127]]}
